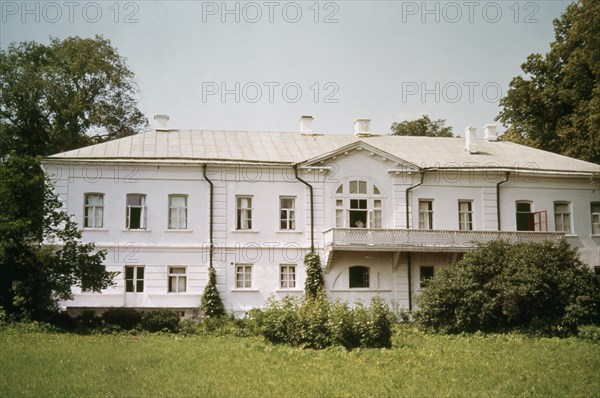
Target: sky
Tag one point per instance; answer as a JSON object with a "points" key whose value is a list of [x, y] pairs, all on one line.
{"points": [[259, 66]]}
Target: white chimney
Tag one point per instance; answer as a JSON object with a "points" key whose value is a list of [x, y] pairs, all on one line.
{"points": [[362, 127], [470, 137], [161, 121], [489, 132], [306, 125]]}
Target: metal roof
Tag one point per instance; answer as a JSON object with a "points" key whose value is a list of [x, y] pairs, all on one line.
{"points": [[293, 147]]}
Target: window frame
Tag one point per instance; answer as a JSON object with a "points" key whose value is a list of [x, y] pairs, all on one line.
{"points": [[428, 215], [243, 283], [424, 279], [170, 207], [353, 191], [364, 277], [143, 212], [596, 231], [135, 279], [287, 215], [468, 214], [247, 210], [285, 282], [86, 207], [177, 277], [562, 216]]}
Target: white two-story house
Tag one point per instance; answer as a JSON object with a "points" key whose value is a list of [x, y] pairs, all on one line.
{"points": [[383, 212]]}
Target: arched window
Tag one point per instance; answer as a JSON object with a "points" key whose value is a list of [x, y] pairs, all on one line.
{"points": [[358, 204], [359, 276]]}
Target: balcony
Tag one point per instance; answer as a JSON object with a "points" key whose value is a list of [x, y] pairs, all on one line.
{"points": [[423, 240]]}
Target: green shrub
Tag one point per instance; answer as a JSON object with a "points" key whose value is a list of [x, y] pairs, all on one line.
{"points": [[125, 318], [312, 329], [279, 320], [538, 288], [212, 305], [589, 332], [161, 320], [315, 283], [62, 320], [88, 320]]}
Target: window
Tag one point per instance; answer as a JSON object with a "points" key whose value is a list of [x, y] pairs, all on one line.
{"points": [[339, 213], [426, 273], [525, 221], [425, 214], [243, 276], [287, 276], [94, 210], [136, 211], [595, 209], [375, 214], [465, 215], [358, 187], [134, 279], [177, 212], [359, 277], [562, 217], [360, 207], [358, 213], [287, 213], [243, 212], [177, 280]]}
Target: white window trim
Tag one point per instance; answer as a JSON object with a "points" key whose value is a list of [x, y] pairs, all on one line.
{"points": [[429, 214], [143, 214], [135, 278], [93, 209], [177, 276], [238, 213], [569, 213], [592, 213], [295, 279], [345, 196], [468, 213], [244, 288], [185, 212], [288, 211]]}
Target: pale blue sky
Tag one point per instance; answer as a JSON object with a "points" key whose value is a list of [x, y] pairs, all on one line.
{"points": [[377, 58]]}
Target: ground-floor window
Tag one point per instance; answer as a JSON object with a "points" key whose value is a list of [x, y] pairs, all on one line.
{"points": [[177, 280], [425, 274], [359, 276], [243, 276], [134, 278], [287, 276]]}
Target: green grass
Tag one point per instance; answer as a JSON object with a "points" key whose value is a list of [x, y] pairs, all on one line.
{"points": [[38, 364]]}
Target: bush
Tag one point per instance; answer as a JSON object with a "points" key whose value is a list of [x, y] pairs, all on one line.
{"points": [[589, 332], [88, 320], [161, 320], [538, 288], [315, 284], [212, 305], [125, 318], [316, 323]]}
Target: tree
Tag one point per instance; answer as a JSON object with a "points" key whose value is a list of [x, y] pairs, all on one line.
{"points": [[314, 285], [424, 127], [68, 94], [212, 306], [541, 288], [41, 258], [555, 106]]}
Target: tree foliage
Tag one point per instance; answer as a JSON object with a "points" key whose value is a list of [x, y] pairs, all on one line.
{"points": [[68, 94], [314, 285], [212, 305], [41, 253], [555, 106], [424, 127], [541, 288]]}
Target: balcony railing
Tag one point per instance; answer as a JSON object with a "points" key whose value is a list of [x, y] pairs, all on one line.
{"points": [[413, 239]]}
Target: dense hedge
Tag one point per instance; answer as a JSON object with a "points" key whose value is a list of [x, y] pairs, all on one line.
{"points": [[539, 288], [161, 321], [317, 323], [125, 318]]}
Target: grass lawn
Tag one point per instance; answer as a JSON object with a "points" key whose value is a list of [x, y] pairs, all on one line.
{"points": [[37, 364]]}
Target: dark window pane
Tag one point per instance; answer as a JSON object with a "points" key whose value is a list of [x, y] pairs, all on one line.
{"points": [[140, 272], [359, 277], [139, 286], [128, 272], [135, 217], [129, 285], [426, 274]]}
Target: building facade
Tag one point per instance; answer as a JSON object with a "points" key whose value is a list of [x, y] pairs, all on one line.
{"points": [[383, 212]]}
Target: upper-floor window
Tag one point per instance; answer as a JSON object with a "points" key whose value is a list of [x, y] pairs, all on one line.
{"points": [[134, 278], [562, 217], [595, 210], [358, 204], [425, 214], [528, 220], [465, 215], [359, 276], [243, 212], [177, 280], [136, 211], [287, 213], [177, 211], [94, 210]]}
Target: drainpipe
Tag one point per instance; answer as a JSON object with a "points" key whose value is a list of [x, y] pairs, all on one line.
{"points": [[498, 197], [210, 222], [312, 215], [408, 255]]}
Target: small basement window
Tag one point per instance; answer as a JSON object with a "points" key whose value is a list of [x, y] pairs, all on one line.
{"points": [[359, 277]]}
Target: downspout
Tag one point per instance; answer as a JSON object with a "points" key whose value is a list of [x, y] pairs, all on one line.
{"points": [[312, 215], [210, 222], [498, 198], [408, 255]]}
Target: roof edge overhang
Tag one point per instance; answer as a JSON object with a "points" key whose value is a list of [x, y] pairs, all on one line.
{"points": [[524, 170]]}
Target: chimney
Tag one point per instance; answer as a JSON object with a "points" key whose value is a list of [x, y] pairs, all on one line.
{"points": [[161, 121], [306, 125], [489, 132], [362, 127], [470, 137]]}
